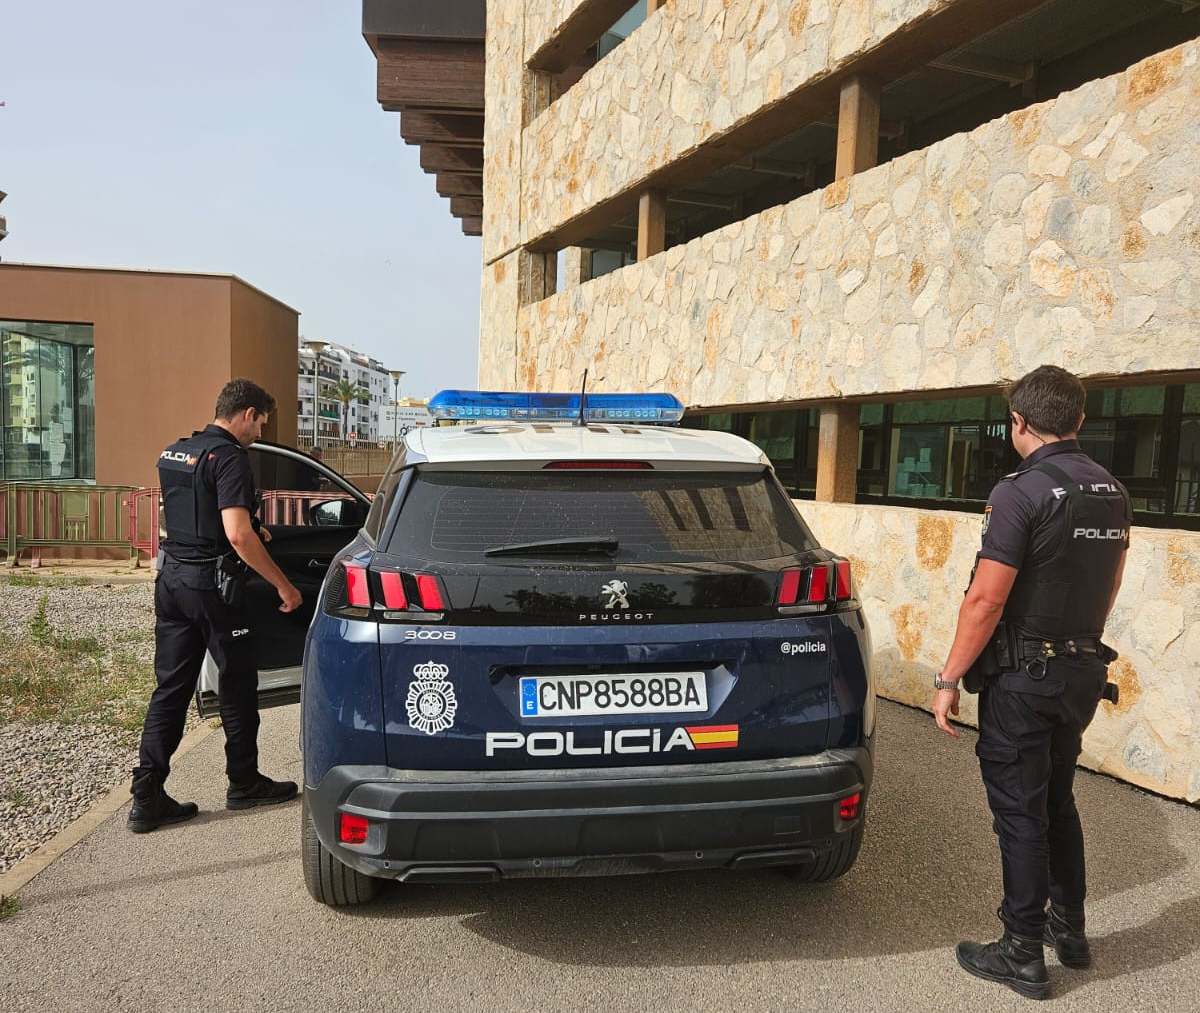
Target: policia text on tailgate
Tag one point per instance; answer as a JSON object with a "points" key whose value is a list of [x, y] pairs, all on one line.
{"points": [[578, 639]]}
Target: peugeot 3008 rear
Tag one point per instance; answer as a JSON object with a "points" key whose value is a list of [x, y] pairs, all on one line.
{"points": [[568, 650]]}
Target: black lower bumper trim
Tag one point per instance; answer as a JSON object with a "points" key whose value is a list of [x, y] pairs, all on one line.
{"points": [[472, 826]]}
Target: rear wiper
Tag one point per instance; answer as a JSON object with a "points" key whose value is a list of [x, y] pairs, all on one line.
{"points": [[564, 546]]}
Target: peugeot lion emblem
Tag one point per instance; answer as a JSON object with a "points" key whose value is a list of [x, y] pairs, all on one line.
{"points": [[618, 594]]}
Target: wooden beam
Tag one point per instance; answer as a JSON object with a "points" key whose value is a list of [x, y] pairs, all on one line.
{"points": [[858, 127], [652, 224], [472, 226], [455, 131], [439, 158], [442, 75], [990, 67], [466, 207], [837, 454], [450, 184]]}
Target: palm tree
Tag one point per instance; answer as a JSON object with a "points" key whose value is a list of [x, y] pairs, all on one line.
{"points": [[345, 392]]}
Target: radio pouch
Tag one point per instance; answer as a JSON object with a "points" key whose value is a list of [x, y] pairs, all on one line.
{"points": [[230, 578]]}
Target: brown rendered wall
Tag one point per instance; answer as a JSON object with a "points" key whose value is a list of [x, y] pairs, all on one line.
{"points": [[264, 334], [164, 346]]}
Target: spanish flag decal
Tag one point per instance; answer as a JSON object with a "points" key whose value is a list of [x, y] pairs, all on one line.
{"points": [[714, 736]]}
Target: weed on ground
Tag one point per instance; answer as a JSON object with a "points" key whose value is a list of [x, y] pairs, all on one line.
{"points": [[48, 676], [9, 906]]}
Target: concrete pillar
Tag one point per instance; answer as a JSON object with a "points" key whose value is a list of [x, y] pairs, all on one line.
{"points": [[837, 454]]}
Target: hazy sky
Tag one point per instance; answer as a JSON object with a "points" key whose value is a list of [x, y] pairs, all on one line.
{"points": [[239, 138]]}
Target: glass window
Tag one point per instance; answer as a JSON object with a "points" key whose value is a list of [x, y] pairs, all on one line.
{"points": [[621, 30], [47, 401], [1124, 432]]}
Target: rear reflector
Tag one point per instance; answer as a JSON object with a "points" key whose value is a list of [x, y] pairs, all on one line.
{"points": [[393, 590], [353, 829], [818, 585], [844, 584], [598, 466], [429, 590], [789, 587], [849, 806], [358, 594]]}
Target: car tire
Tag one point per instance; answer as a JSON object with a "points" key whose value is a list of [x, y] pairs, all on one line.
{"points": [[328, 880], [832, 864]]}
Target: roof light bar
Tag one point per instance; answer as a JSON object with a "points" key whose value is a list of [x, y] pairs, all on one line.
{"points": [[487, 405]]}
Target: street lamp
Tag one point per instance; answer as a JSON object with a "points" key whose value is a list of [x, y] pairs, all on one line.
{"points": [[396, 374], [317, 347]]}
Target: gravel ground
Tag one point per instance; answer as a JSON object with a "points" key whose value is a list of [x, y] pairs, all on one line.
{"points": [[50, 773]]}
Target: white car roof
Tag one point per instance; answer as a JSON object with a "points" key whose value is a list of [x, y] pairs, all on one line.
{"points": [[507, 446]]}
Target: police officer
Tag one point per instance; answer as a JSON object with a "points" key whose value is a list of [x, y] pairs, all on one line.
{"points": [[1055, 536], [209, 506]]}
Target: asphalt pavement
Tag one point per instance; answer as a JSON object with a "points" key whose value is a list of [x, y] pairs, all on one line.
{"points": [[213, 914]]}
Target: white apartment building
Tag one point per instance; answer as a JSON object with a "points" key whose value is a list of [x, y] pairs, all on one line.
{"points": [[321, 366]]}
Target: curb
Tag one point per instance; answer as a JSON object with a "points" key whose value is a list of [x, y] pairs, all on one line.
{"points": [[100, 812]]}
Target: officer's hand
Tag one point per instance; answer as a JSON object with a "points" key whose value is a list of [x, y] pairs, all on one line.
{"points": [[290, 597], [945, 703], [264, 534]]}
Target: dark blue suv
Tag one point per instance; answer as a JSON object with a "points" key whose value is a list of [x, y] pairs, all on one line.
{"points": [[560, 649]]}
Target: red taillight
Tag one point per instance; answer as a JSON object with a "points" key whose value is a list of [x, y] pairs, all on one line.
{"points": [[429, 590], [789, 587], [849, 806], [818, 584], [358, 594], [845, 587], [598, 466], [393, 590], [352, 829]]}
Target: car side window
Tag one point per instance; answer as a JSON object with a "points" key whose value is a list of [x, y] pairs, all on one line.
{"points": [[294, 493]]}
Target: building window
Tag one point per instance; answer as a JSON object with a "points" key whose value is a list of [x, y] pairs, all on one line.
{"points": [[47, 401], [948, 453]]}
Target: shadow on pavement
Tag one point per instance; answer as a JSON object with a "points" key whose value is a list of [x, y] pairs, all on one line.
{"points": [[927, 877]]}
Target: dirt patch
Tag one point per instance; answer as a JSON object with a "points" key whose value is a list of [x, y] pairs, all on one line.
{"points": [[935, 536], [798, 18], [1150, 76], [915, 277], [909, 623], [1181, 566], [1125, 676], [1133, 242]]}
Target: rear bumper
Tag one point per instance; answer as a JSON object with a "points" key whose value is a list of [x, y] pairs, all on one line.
{"points": [[448, 826]]}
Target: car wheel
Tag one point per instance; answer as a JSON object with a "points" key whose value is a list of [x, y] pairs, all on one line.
{"points": [[834, 863], [328, 880]]}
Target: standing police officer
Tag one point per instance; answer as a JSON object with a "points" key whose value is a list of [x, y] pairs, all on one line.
{"points": [[209, 506], [1055, 536]]}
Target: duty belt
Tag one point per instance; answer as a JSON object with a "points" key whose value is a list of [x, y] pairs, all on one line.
{"points": [[1033, 653]]}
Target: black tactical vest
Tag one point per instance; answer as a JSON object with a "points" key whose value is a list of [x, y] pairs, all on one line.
{"points": [[1066, 596], [191, 522]]}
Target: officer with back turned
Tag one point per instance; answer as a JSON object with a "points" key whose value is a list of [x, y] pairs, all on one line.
{"points": [[212, 533], [1055, 536]]}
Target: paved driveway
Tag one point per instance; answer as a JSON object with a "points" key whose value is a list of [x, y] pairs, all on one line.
{"points": [[214, 915]]}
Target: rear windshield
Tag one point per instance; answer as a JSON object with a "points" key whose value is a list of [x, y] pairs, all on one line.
{"points": [[654, 516]]}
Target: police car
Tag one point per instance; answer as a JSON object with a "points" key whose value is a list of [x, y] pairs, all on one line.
{"points": [[557, 648]]}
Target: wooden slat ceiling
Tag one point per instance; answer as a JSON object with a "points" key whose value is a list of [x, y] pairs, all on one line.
{"points": [[429, 68]]}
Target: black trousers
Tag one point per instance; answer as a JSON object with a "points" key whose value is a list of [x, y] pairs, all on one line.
{"points": [[190, 617], [1030, 733]]}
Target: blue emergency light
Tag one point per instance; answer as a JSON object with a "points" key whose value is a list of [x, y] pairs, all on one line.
{"points": [[489, 405]]}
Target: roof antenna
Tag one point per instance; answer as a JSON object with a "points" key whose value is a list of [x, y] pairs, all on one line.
{"points": [[582, 420]]}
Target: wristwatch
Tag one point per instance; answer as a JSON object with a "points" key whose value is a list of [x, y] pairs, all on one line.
{"points": [[940, 683]]}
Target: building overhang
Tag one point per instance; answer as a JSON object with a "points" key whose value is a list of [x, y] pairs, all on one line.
{"points": [[430, 69]]}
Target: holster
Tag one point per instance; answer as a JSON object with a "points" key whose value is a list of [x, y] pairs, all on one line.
{"points": [[230, 578], [996, 657]]}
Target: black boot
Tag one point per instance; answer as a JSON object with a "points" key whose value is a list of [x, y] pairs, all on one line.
{"points": [[1065, 933], [1015, 961], [260, 791], [153, 807]]}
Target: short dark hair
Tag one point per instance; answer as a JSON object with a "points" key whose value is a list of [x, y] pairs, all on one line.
{"points": [[1050, 399], [238, 395]]}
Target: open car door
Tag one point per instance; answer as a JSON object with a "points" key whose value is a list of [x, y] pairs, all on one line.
{"points": [[312, 513]]}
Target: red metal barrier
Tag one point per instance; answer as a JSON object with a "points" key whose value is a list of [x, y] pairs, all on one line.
{"points": [[143, 524], [287, 507], [48, 515]]}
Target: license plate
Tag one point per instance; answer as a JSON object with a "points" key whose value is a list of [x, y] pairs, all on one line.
{"points": [[554, 696]]}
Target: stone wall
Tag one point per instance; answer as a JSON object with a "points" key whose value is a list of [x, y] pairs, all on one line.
{"points": [[1068, 232], [911, 566], [683, 79]]}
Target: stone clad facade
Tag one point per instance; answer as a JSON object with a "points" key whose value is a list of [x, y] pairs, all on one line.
{"points": [[1067, 232]]}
